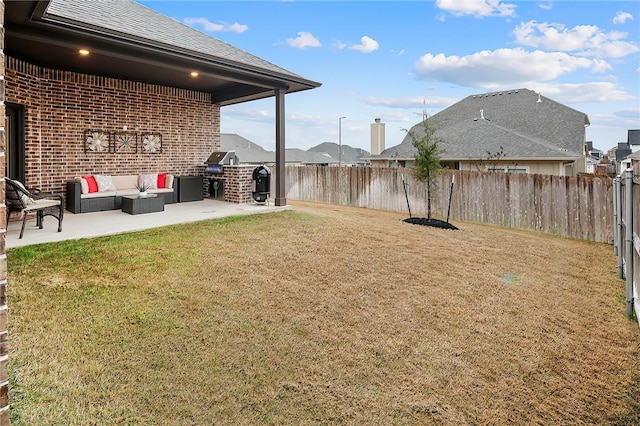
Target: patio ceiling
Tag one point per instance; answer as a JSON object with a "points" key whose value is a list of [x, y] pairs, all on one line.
{"points": [[52, 40]]}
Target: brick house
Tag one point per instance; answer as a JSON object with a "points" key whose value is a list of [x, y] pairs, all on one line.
{"points": [[119, 67], [513, 131], [69, 66]]}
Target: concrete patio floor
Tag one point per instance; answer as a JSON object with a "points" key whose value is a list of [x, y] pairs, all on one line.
{"points": [[89, 225]]}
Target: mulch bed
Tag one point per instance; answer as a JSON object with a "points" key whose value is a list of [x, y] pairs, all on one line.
{"points": [[430, 222]]}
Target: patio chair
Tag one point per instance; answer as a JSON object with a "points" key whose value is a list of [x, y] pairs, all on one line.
{"points": [[20, 199]]}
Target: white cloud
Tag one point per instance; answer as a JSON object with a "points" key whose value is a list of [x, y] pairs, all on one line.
{"points": [[338, 45], [621, 17], [410, 102], [247, 114], [600, 66], [397, 117], [367, 45], [302, 119], [547, 6], [632, 113], [477, 8], [305, 39], [213, 27], [498, 68], [583, 93], [585, 40]]}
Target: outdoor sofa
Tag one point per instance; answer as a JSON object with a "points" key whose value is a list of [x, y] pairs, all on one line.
{"points": [[95, 193]]}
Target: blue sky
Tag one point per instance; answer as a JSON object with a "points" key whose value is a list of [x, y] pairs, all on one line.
{"points": [[395, 59]]}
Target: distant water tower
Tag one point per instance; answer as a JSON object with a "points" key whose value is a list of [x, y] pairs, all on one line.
{"points": [[377, 137]]}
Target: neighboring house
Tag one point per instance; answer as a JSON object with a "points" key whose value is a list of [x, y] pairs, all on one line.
{"points": [[628, 153], [119, 71], [516, 131], [350, 156], [248, 152], [594, 157]]}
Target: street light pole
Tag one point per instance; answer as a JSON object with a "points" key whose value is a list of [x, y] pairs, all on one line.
{"points": [[340, 140]]}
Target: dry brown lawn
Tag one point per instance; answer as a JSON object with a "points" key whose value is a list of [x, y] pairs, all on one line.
{"points": [[322, 315]]}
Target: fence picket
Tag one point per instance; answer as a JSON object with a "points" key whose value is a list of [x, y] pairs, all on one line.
{"points": [[575, 207]]}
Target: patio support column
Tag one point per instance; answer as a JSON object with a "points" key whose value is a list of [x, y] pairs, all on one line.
{"points": [[281, 174]]}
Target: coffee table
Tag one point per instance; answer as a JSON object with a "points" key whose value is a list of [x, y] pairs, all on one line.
{"points": [[134, 204]]}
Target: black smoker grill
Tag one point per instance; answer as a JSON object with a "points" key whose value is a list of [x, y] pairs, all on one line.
{"points": [[215, 166], [261, 185]]}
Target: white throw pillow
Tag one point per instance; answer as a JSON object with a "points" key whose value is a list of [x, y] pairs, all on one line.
{"points": [[83, 184], [169, 182], [150, 181], [104, 183], [26, 200]]}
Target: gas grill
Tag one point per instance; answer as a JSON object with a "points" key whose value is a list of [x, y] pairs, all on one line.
{"points": [[218, 159]]}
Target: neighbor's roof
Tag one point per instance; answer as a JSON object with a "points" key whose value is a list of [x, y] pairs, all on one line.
{"points": [[251, 153], [350, 155], [520, 123]]}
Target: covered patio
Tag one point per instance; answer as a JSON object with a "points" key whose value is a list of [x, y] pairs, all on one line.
{"points": [[97, 224], [148, 88]]}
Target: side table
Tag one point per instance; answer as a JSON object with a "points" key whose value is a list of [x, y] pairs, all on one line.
{"points": [[190, 188], [134, 204]]}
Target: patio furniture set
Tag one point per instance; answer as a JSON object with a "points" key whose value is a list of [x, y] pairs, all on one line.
{"points": [[100, 193]]}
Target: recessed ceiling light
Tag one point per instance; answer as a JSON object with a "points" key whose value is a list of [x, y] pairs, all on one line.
{"points": [[83, 52], [194, 73]]}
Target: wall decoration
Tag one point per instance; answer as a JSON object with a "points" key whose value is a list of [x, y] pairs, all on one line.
{"points": [[121, 142], [125, 142], [151, 143], [96, 141]]}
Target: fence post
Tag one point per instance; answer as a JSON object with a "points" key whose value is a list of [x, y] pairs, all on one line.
{"points": [[617, 225], [616, 209], [629, 255]]}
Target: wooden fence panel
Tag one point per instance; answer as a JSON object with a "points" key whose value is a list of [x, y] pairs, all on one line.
{"points": [[575, 207]]}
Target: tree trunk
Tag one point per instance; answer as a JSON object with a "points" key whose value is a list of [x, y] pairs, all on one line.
{"points": [[428, 195]]}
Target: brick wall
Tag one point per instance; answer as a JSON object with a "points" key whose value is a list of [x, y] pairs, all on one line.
{"points": [[61, 105], [238, 183]]}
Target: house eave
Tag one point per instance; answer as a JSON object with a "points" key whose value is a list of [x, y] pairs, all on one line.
{"points": [[52, 41]]}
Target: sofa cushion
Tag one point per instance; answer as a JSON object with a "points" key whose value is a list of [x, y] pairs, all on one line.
{"points": [[83, 184], [169, 181], [125, 182], [91, 183], [160, 190], [128, 191], [13, 195], [104, 183], [162, 180], [98, 194], [150, 180]]}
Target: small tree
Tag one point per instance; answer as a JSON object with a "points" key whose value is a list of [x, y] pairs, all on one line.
{"points": [[492, 160], [427, 159]]}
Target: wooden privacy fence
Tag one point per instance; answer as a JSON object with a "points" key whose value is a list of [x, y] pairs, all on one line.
{"points": [[626, 243], [575, 207]]}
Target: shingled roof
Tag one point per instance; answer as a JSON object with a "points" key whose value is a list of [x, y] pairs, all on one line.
{"points": [[130, 41], [251, 153], [521, 123], [125, 18]]}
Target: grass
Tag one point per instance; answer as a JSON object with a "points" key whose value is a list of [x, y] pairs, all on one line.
{"points": [[321, 315]]}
